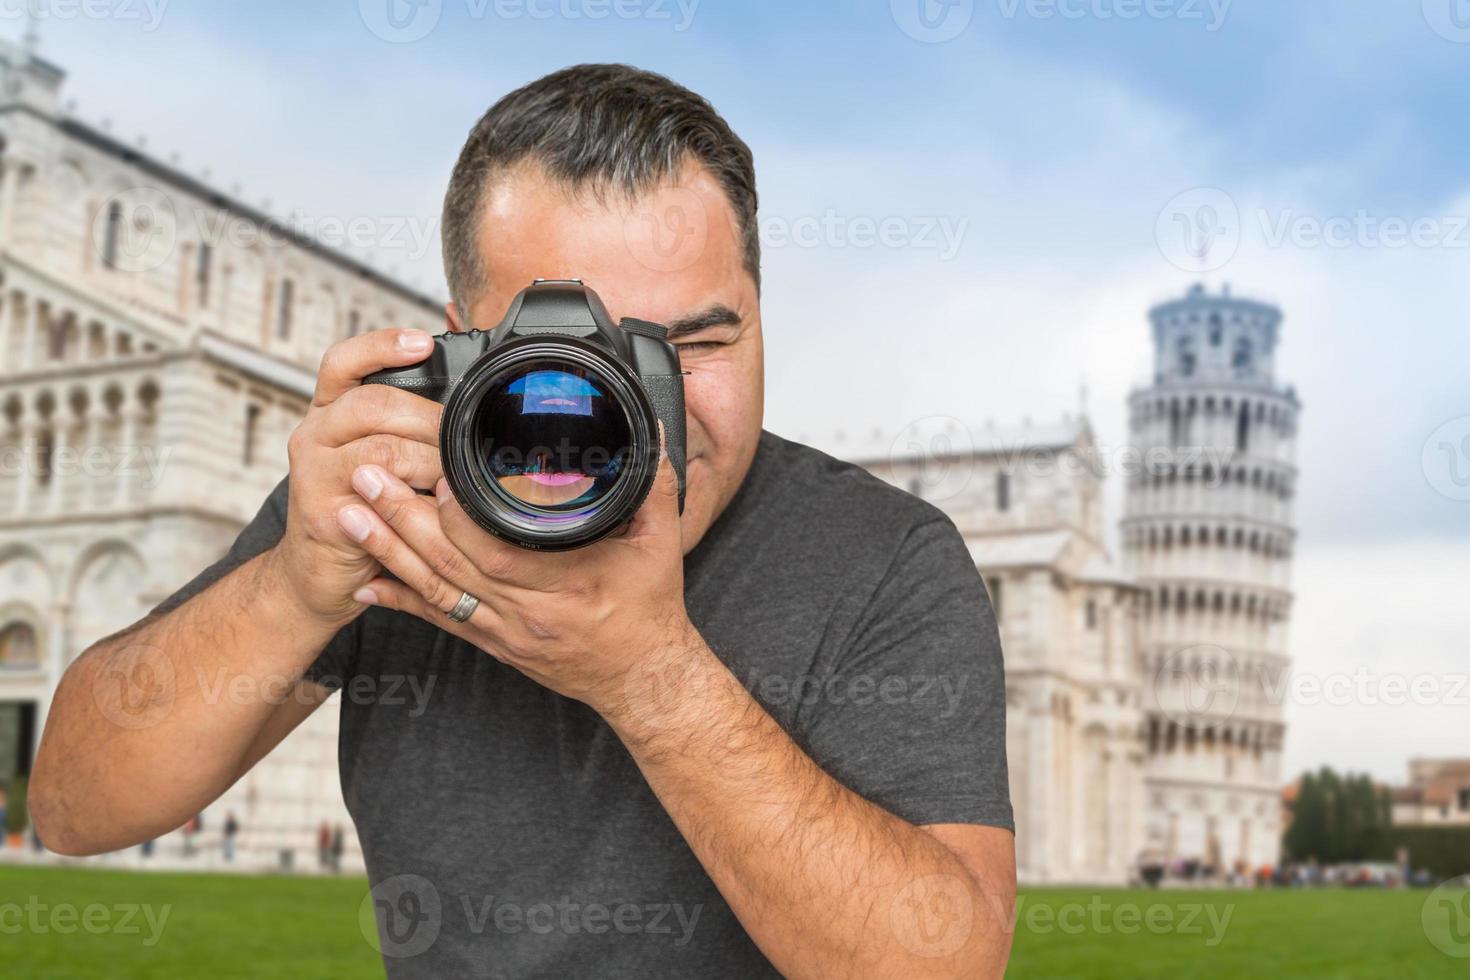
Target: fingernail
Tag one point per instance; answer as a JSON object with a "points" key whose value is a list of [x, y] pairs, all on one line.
{"points": [[366, 596], [368, 482], [415, 342], [354, 520]]}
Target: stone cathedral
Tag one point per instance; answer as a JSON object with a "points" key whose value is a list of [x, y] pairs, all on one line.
{"points": [[158, 342]]}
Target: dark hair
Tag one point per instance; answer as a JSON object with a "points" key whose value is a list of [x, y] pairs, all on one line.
{"points": [[605, 126]]}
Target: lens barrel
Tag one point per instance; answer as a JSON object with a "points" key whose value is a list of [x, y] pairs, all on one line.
{"points": [[550, 442]]}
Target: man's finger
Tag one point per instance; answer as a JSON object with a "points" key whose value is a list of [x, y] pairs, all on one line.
{"points": [[483, 625], [659, 514], [412, 462], [415, 520], [346, 363], [378, 410]]}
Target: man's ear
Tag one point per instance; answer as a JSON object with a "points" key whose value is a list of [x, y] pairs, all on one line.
{"points": [[451, 318]]}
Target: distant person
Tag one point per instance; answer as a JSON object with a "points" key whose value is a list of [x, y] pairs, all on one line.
{"points": [[338, 842], [232, 827], [324, 846], [191, 827]]}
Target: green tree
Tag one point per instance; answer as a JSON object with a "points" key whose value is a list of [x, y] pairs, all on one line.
{"points": [[1337, 818]]}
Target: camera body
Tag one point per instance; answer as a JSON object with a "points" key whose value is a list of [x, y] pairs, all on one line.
{"points": [[550, 431]]}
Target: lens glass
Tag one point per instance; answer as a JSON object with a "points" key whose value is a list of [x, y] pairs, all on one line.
{"points": [[551, 439]]}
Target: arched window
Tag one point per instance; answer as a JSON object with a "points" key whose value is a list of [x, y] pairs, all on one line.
{"points": [[112, 237], [1243, 429], [1243, 354], [285, 308], [18, 647]]}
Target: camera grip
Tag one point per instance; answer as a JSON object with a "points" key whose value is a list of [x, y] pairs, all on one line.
{"points": [[666, 392]]}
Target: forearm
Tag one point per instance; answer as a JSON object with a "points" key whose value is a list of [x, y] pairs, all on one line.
{"points": [[150, 725], [826, 883]]}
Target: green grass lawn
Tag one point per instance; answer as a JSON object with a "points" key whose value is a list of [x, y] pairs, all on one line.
{"points": [[220, 926]]}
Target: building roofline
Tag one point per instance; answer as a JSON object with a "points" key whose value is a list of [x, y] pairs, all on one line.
{"points": [[190, 184]]}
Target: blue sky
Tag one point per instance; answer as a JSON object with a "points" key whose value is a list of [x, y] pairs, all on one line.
{"points": [[1047, 137]]}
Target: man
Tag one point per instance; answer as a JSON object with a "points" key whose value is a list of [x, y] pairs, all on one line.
{"points": [[764, 737]]}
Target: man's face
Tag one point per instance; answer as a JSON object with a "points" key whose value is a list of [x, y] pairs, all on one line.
{"points": [[672, 256]]}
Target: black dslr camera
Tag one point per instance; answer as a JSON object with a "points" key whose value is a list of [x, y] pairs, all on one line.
{"points": [[550, 431]]}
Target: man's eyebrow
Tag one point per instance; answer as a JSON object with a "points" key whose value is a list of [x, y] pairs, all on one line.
{"points": [[715, 316]]}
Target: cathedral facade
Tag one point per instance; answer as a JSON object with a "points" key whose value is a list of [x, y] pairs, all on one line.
{"points": [[1028, 502], [158, 343]]}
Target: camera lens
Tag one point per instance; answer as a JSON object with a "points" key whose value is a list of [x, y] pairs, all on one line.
{"points": [[550, 438], [549, 443]]}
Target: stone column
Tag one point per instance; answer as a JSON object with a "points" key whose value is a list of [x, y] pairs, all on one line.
{"points": [[28, 461], [9, 188], [59, 444], [126, 441], [28, 347], [92, 428]]}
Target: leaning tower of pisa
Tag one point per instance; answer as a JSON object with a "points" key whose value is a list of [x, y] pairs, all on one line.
{"points": [[1208, 535]]}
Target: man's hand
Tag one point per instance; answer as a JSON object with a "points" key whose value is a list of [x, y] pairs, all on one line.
{"points": [[350, 424], [579, 622]]}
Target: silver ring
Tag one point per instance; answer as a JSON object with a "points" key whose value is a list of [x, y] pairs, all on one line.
{"points": [[464, 608]]}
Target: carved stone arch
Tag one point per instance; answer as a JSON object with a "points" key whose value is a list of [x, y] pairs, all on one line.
{"points": [[71, 183], [22, 637], [25, 577], [328, 315], [106, 591]]}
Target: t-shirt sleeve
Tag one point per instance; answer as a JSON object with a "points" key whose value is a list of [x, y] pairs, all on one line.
{"points": [[261, 534], [912, 717]]}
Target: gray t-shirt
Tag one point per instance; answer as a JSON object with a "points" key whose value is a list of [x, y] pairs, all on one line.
{"points": [[509, 834]]}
